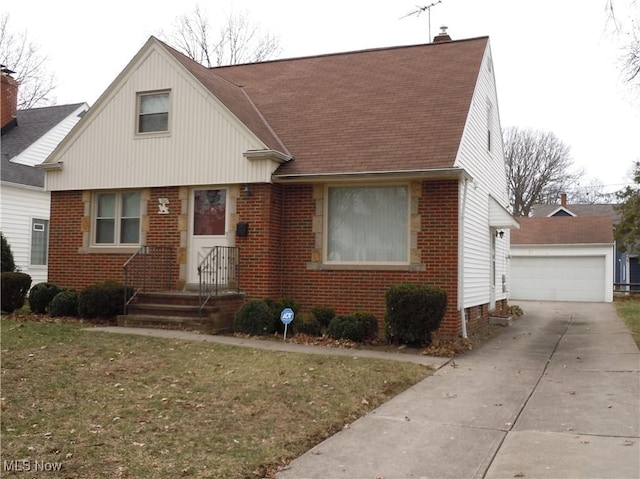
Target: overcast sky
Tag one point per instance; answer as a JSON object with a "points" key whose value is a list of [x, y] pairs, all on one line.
{"points": [[557, 65]]}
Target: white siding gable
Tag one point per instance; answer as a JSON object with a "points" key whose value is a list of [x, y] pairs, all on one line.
{"points": [[485, 163], [205, 144], [40, 149]]}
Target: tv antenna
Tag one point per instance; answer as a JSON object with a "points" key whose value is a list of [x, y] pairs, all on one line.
{"points": [[420, 10]]}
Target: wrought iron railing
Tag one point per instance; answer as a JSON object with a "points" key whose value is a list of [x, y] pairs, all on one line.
{"points": [[217, 272], [151, 268]]}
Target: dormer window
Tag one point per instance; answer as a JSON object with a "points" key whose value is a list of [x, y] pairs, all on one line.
{"points": [[153, 112]]}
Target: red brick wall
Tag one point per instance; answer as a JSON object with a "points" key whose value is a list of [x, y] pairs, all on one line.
{"points": [[261, 249], [70, 266], [352, 290]]}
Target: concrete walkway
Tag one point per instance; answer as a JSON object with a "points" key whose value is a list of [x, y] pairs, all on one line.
{"points": [[556, 395]]}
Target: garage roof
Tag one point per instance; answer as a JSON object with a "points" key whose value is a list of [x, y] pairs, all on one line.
{"points": [[557, 230]]}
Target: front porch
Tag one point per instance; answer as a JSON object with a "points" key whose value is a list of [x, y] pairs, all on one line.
{"points": [[157, 297]]}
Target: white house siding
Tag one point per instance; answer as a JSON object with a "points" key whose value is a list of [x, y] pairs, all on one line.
{"points": [[19, 206], [203, 135], [487, 169], [40, 149], [563, 273]]}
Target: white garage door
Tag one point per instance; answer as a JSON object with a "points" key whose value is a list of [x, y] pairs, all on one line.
{"points": [[563, 278]]}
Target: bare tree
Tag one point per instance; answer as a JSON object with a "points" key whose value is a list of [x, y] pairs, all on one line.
{"points": [[538, 168], [18, 54], [630, 28], [237, 42]]}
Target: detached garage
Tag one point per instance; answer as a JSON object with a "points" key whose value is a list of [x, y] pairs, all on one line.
{"points": [[563, 258]]}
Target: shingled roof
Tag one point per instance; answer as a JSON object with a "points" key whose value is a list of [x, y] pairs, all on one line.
{"points": [[392, 109], [30, 126], [558, 230]]}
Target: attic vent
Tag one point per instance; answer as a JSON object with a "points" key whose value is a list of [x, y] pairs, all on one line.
{"points": [[443, 36]]}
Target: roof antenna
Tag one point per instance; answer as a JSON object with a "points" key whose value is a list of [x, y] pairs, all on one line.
{"points": [[419, 10]]}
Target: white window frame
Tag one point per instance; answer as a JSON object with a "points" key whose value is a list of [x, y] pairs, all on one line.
{"points": [[39, 222], [325, 240], [139, 113], [117, 219]]}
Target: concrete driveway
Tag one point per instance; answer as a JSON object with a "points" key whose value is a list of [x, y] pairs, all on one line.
{"points": [[556, 395]]}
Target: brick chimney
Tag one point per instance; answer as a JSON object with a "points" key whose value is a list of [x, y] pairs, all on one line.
{"points": [[443, 36], [8, 97], [563, 200]]}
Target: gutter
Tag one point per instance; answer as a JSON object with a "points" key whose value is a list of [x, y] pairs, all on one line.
{"points": [[432, 173]]}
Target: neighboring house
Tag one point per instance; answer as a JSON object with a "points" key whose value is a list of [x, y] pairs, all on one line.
{"points": [[28, 137], [626, 264], [334, 176], [563, 258]]}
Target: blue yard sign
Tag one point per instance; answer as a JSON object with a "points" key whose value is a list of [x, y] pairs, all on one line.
{"points": [[286, 316]]}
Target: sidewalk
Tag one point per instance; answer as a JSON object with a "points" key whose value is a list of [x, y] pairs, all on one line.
{"points": [[555, 396]]}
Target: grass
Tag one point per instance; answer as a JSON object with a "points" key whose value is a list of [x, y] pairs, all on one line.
{"points": [[629, 311], [115, 406]]}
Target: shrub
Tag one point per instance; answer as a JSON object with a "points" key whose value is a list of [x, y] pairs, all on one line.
{"points": [[308, 324], [323, 315], [101, 301], [65, 303], [8, 263], [515, 310], [276, 307], [41, 295], [357, 327], [15, 286], [253, 317], [414, 311]]}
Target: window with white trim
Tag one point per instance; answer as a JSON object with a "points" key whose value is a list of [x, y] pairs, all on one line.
{"points": [[367, 224], [39, 241], [153, 112], [117, 218]]}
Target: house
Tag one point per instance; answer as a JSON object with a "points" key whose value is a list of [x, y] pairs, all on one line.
{"points": [[625, 264], [331, 177], [563, 258], [28, 137]]}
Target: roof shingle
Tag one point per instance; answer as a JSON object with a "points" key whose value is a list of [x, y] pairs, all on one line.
{"points": [[557, 230]]}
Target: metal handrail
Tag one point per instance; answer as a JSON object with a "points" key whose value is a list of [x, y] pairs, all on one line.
{"points": [[150, 268], [218, 271]]}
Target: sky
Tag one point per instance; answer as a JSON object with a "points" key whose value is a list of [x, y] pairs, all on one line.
{"points": [[557, 62]]}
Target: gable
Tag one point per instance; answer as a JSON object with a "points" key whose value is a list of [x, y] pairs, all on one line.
{"points": [[205, 143]]}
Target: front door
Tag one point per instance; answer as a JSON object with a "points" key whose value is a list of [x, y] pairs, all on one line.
{"points": [[208, 226]]}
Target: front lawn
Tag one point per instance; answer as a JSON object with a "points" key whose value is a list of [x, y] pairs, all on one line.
{"points": [[102, 405], [629, 311]]}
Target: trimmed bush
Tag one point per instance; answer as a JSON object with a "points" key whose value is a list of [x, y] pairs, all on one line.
{"points": [[8, 263], [276, 307], [41, 295], [323, 315], [15, 286], [101, 301], [65, 303], [358, 327], [414, 311], [308, 324], [254, 317]]}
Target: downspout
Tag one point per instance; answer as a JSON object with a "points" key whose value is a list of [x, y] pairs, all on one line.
{"points": [[461, 242]]}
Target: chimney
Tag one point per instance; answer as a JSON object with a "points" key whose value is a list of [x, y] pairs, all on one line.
{"points": [[8, 98], [563, 200], [443, 36]]}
